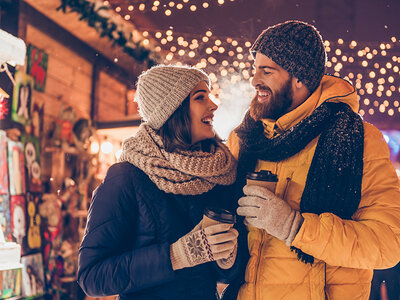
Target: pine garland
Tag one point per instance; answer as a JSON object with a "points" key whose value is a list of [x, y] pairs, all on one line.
{"points": [[99, 17]]}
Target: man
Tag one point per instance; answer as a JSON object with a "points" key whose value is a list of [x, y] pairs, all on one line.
{"points": [[335, 213]]}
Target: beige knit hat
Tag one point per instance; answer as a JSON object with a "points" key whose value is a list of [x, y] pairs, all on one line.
{"points": [[162, 89]]}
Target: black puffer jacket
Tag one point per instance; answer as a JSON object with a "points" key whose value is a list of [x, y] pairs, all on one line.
{"points": [[130, 227]]}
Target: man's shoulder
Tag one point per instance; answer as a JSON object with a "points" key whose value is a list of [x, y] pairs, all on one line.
{"points": [[233, 144], [375, 146]]}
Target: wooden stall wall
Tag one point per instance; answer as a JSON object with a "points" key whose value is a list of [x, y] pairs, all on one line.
{"points": [[69, 77], [111, 98]]}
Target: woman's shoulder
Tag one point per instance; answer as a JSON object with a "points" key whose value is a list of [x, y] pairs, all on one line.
{"points": [[126, 176], [124, 171]]}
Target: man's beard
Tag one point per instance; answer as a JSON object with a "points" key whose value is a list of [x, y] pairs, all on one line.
{"points": [[277, 105]]}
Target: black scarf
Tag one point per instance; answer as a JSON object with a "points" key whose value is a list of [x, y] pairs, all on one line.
{"points": [[335, 175]]}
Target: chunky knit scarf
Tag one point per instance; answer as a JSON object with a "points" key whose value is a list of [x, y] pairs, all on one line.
{"points": [[334, 179], [186, 172]]}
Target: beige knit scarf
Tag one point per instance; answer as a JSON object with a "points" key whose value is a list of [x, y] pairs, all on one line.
{"points": [[185, 172]]}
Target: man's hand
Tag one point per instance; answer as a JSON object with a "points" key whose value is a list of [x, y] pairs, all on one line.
{"points": [[264, 210]]}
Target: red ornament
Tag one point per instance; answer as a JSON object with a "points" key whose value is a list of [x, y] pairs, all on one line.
{"points": [[3, 107]]}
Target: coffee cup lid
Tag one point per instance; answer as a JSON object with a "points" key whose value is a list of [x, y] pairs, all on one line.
{"points": [[264, 175], [220, 215]]}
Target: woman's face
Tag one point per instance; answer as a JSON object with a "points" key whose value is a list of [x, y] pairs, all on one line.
{"points": [[201, 113]]}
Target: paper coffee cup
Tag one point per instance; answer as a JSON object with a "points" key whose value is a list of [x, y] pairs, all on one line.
{"points": [[215, 215], [263, 178]]}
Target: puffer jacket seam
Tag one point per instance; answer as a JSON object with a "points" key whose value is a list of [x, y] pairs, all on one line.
{"points": [[101, 225], [327, 241], [376, 159]]}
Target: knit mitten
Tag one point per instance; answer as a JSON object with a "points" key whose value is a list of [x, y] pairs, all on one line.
{"points": [[201, 246], [264, 210], [227, 263]]}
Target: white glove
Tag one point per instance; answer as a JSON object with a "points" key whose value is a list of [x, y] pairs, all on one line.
{"points": [[212, 243], [264, 210]]}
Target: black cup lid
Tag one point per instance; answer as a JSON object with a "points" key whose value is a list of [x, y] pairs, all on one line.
{"points": [[264, 175], [220, 215]]}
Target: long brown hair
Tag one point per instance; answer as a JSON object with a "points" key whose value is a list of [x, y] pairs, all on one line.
{"points": [[176, 132]]}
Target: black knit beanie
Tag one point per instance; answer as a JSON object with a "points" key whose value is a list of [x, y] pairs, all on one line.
{"points": [[297, 47]]}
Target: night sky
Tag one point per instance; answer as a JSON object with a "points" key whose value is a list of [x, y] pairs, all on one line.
{"points": [[362, 20]]}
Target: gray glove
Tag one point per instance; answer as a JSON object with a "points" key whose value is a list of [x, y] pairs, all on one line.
{"points": [[264, 210], [212, 243]]}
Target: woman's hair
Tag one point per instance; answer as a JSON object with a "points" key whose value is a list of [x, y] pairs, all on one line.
{"points": [[176, 132]]}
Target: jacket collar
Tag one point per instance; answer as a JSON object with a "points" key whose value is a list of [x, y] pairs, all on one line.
{"points": [[331, 88]]}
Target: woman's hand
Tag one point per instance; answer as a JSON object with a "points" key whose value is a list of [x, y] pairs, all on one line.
{"points": [[213, 243]]}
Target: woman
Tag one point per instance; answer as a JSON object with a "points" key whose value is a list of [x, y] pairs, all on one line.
{"points": [[144, 238]]}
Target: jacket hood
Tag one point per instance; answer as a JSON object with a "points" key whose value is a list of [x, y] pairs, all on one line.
{"points": [[331, 88]]}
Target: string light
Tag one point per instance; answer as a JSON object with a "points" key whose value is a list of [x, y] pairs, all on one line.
{"points": [[371, 67]]}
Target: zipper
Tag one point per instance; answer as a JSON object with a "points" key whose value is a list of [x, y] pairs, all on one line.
{"points": [[262, 233], [326, 297], [258, 262]]}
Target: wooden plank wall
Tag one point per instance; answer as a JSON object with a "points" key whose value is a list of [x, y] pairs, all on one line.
{"points": [[111, 98], [69, 77]]}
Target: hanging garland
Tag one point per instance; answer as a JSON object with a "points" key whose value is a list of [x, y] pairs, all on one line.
{"points": [[102, 19]]}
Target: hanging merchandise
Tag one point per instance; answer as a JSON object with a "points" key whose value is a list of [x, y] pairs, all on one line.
{"points": [[32, 162], [16, 168], [82, 132], [36, 128], [5, 108], [50, 211], [10, 268], [3, 164], [70, 198], [5, 217], [10, 283], [12, 51], [22, 99], [18, 218], [32, 275], [62, 134], [37, 67], [4, 105], [33, 239]]}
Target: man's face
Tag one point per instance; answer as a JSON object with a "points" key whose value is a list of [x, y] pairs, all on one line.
{"points": [[273, 84]]}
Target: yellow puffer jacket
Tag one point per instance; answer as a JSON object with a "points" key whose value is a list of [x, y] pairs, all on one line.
{"points": [[345, 251]]}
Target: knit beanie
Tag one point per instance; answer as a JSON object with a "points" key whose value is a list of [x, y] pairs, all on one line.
{"points": [[297, 47], [162, 89]]}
